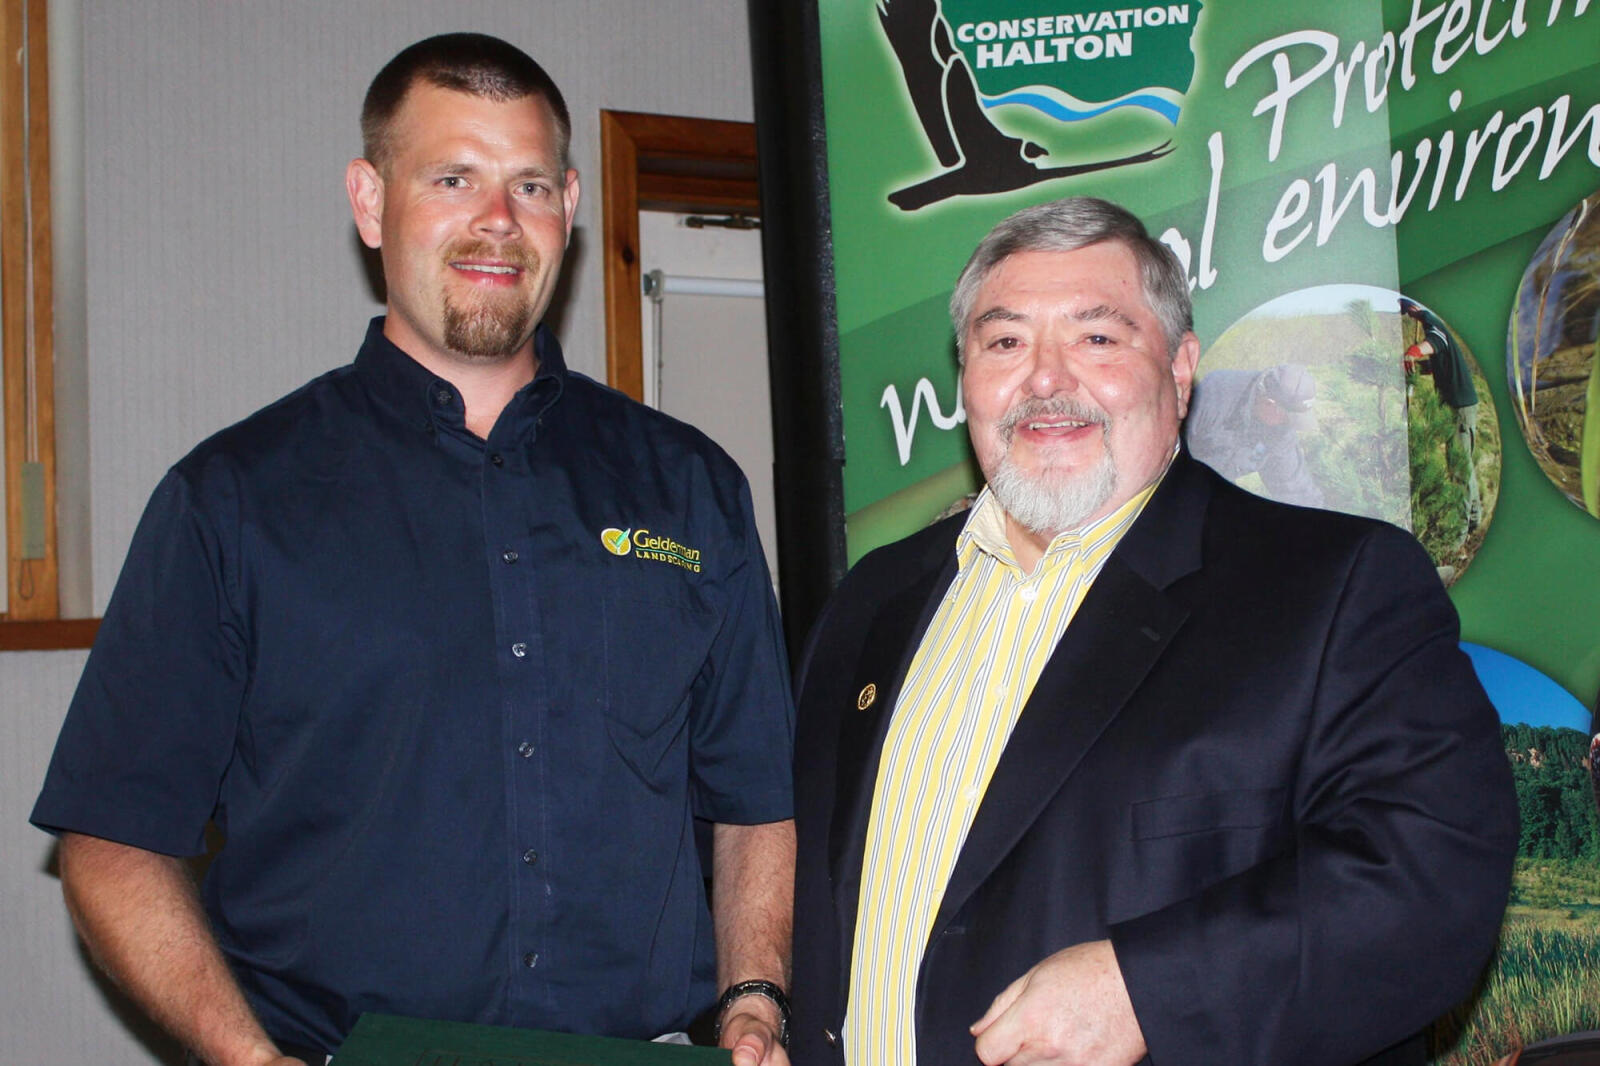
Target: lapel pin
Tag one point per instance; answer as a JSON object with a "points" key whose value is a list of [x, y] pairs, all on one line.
{"points": [[868, 695]]}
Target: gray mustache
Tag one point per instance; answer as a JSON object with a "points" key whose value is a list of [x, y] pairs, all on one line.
{"points": [[1030, 410]]}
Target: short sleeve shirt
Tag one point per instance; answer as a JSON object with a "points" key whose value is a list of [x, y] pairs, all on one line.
{"points": [[453, 703]]}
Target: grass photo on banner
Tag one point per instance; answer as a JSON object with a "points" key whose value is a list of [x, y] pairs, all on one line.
{"points": [[1545, 978]]}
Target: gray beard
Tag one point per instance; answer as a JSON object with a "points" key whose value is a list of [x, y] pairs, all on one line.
{"points": [[488, 332], [1054, 501]]}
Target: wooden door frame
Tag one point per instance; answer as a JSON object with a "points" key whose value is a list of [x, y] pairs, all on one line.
{"points": [[660, 163]]}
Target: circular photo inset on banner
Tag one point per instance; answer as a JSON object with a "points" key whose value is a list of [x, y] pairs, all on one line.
{"points": [[1553, 355], [1333, 396], [1550, 939]]}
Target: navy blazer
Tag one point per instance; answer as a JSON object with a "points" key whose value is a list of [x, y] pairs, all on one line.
{"points": [[1257, 761]]}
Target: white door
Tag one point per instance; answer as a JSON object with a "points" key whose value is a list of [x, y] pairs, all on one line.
{"points": [[705, 345]]}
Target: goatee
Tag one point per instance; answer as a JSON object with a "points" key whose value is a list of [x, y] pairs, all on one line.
{"points": [[491, 331], [1053, 500], [496, 324]]}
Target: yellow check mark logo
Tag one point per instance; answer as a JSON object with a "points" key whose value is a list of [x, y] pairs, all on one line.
{"points": [[617, 541]]}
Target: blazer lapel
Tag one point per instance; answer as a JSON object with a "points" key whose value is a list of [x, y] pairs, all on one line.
{"points": [[1123, 625], [881, 667]]}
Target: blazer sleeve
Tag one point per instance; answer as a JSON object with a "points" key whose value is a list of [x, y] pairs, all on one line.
{"points": [[1381, 915]]}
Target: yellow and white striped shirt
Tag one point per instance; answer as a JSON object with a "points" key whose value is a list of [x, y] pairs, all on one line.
{"points": [[969, 679]]}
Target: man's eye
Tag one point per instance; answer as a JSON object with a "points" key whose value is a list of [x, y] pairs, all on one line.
{"points": [[453, 181], [1005, 344], [532, 188]]}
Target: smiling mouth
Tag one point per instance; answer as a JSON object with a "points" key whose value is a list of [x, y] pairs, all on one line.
{"points": [[485, 268], [1051, 418], [1060, 423]]}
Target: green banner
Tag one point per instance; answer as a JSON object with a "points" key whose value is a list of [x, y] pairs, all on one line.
{"points": [[1389, 213], [1424, 149]]}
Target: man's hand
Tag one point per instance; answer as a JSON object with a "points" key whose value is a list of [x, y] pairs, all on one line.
{"points": [[1072, 1009], [267, 1054], [750, 1031]]}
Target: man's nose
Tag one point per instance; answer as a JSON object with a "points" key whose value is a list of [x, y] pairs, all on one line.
{"points": [[1053, 371], [497, 214]]}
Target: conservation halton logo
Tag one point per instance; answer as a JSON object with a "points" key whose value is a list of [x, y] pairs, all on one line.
{"points": [[1010, 93], [643, 544]]}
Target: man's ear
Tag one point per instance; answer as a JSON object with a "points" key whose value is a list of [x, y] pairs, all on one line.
{"points": [[569, 200], [1184, 361], [365, 187]]}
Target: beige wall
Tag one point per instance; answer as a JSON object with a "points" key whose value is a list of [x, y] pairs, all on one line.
{"points": [[221, 270]]}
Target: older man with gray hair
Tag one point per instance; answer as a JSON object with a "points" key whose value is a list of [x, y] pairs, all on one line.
{"points": [[1126, 764]]}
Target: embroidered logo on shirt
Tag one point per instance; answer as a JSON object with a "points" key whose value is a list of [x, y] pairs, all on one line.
{"points": [[643, 544]]}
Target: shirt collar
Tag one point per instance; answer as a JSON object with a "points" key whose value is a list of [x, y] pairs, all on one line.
{"points": [[430, 402], [985, 530]]}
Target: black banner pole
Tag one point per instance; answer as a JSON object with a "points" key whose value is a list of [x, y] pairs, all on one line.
{"points": [[802, 330]]}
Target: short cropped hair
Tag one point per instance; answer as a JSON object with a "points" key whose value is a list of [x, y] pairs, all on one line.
{"points": [[1065, 226], [473, 63]]}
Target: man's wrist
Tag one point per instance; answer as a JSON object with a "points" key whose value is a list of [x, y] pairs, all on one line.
{"points": [[772, 1000]]}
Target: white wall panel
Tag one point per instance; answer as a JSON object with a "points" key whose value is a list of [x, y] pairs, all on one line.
{"points": [[53, 1007]]}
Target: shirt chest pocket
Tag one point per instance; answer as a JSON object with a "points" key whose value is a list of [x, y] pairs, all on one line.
{"points": [[625, 645], [655, 646]]}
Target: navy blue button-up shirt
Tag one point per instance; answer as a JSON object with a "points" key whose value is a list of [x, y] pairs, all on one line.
{"points": [[454, 703]]}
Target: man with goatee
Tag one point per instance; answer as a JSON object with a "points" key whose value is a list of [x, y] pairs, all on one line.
{"points": [[392, 636]]}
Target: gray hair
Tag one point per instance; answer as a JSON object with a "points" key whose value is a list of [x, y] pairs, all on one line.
{"points": [[1065, 226]]}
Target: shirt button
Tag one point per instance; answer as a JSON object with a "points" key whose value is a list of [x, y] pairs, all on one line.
{"points": [[442, 397], [531, 959], [530, 856], [509, 556], [525, 749], [1028, 593], [519, 649], [497, 459]]}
